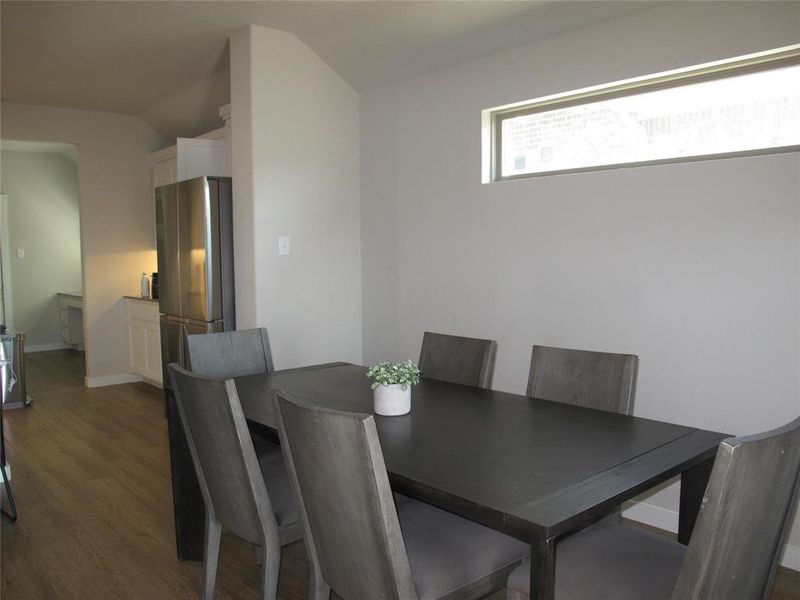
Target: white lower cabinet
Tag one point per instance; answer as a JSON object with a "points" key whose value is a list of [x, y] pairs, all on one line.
{"points": [[144, 337], [70, 316]]}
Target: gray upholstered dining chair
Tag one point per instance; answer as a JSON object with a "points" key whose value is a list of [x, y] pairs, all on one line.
{"points": [[230, 353], [599, 380], [456, 359], [252, 498], [362, 543], [733, 553]]}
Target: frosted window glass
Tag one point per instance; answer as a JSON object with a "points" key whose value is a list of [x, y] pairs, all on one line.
{"points": [[743, 113]]}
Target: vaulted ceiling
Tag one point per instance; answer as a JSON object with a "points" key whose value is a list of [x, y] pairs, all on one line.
{"points": [[129, 56]]}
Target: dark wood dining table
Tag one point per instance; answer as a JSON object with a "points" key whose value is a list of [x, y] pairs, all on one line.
{"points": [[530, 468]]}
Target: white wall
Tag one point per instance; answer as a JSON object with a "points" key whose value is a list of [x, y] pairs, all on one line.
{"points": [[295, 150], [694, 267], [116, 207], [42, 189]]}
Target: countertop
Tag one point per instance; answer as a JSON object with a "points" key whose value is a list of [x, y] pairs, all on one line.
{"points": [[140, 299]]}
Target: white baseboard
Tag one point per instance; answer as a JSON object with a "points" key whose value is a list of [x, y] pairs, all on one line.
{"points": [[666, 519], [46, 347], [791, 557], [153, 382], [652, 515], [93, 382]]}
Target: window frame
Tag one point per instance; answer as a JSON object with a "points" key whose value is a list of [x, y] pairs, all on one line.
{"points": [[751, 63]]}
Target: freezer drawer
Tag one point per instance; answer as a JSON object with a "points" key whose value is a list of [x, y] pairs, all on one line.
{"points": [[173, 341]]}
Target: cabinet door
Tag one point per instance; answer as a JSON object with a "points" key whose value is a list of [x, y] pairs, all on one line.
{"points": [[138, 340], [74, 325], [199, 157], [165, 172], [153, 352]]}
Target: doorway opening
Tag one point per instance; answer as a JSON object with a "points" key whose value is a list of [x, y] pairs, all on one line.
{"points": [[41, 276]]}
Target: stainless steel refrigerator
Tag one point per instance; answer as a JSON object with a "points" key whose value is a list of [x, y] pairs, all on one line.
{"points": [[194, 238]]}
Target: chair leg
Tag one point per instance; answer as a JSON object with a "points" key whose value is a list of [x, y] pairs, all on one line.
{"points": [[318, 589], [211, 555], [7, 487], [270, 567]]}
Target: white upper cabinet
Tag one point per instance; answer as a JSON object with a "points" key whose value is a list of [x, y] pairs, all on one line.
{"points": [[198, 157], [165, 170], [193, 157]]}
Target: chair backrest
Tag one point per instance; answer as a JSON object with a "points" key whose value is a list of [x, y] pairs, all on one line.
{"points": [[230, 353], [599, 380], [456, 359], [744, 518], [224, 459], [352, 532]]}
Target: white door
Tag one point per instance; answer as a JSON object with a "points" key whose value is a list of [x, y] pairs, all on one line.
{"points": [[5, 264]]}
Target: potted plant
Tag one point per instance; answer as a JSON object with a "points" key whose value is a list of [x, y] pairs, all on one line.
{"points": [[392, 386]]}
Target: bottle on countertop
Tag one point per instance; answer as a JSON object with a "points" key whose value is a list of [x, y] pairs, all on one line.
{"points": [[145, 286]]}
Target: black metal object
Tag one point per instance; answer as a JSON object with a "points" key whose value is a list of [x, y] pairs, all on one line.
{"points": [[693, 488], [12, 513], [189, 511]]}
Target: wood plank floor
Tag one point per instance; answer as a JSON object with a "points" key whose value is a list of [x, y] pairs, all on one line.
{"points": [[91, 481]]}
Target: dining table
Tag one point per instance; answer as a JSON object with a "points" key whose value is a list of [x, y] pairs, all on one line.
{"points": [[533, 469]]}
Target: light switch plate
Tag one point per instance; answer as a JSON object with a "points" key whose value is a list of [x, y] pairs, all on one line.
{"points": [[20, 252], [283, 246]]}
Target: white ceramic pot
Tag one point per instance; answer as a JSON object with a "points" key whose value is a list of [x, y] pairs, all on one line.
{"points": [[392, 400]]}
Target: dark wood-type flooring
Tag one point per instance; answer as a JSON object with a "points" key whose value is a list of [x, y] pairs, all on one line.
{"points": [[90, 475]]}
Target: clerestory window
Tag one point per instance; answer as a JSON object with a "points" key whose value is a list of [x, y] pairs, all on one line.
{"points": [[741, 106]]}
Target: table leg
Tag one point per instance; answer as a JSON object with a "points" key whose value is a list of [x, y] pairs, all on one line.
{"points": [[693, 487], [543, 569], [189, 510]]}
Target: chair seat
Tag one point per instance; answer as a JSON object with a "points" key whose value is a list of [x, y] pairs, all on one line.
{"points": [[264, 447], [280, 494], [448, 554], [610, 561]]}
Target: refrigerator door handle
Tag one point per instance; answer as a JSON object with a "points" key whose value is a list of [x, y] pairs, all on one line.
{"points": [[192, 322], [213, 257]]}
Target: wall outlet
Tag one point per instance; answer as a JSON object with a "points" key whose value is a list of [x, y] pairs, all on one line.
{"points": [[283, 246]]}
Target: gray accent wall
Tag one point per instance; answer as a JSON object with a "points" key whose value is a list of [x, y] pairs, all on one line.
{"points": [[693, 267]]}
